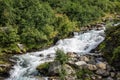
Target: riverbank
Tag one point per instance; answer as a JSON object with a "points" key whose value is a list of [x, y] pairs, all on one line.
{"points": [[91, 66]]}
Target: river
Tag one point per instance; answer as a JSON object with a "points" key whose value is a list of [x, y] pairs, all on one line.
{"points": [[81, 43]]}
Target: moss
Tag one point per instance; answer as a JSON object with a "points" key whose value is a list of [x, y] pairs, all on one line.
{"points": [[43, 68]]}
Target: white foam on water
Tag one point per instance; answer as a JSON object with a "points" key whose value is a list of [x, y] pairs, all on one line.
{"points": [[25, 68]]}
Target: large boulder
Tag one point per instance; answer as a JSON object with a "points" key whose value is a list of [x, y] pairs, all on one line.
{"points": [[43, 68], [70, 72], [54, 68], [69, 69]]}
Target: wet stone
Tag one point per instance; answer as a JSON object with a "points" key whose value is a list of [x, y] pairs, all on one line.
{"points": [[41, 55], [102, 72]]}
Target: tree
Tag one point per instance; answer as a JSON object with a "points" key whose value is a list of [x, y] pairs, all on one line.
{"points": [[31, 37], [8, 36]]}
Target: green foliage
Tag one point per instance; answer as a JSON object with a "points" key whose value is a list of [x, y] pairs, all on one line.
{"points": [[61, 56], [84, 11], [116, 54], [82, 72], [62, 73], [36, 23], [64, 26], [43, 66], [111, 45], [32, 36], [8, 36]]}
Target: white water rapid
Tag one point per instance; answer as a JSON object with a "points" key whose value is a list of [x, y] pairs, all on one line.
{"points": [[25, 68]]}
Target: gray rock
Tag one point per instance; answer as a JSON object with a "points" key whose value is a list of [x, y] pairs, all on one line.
{"points": [[41, 55], [72, 54], [74, 59], [70, 78], [84, 58], [118, 76], [93, 77], [48, 56], [71, 62], [109, 68], [101, 65], [54, 68], [39, 78], [69, 69], [91, 67], [100, 59], [99, 77], [21, 47], [92, 60], [80, 63], [109, 78], [112, 74], [53, 78], [102, 72], [70, 72]]}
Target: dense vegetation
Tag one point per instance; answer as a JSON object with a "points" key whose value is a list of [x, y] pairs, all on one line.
{"points": [[111, 46], [37, 23]]}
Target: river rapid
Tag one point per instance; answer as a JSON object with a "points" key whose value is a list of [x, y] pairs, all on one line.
{"points": [[81, 43]]}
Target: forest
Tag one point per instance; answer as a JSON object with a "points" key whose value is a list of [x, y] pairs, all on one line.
{"points": [[38, 23]]}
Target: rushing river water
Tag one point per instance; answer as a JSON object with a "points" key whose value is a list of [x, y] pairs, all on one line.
{"points": [[81, 43]]}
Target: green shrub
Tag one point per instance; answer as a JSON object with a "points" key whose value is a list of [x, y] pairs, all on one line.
{"points": [[111, 46], [61, 56], [82, 72], [62, 73], [36, 23], [116, 54]]}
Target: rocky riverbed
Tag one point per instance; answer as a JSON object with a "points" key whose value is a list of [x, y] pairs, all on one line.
{"points": [[91, 66]]}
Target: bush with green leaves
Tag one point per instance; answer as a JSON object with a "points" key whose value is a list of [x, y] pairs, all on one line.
{"points": [[111, 45], [61, 56], [82, 72], [36, 23]]}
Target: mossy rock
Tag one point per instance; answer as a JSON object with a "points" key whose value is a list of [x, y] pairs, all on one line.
{"points": [[43, 68]]}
